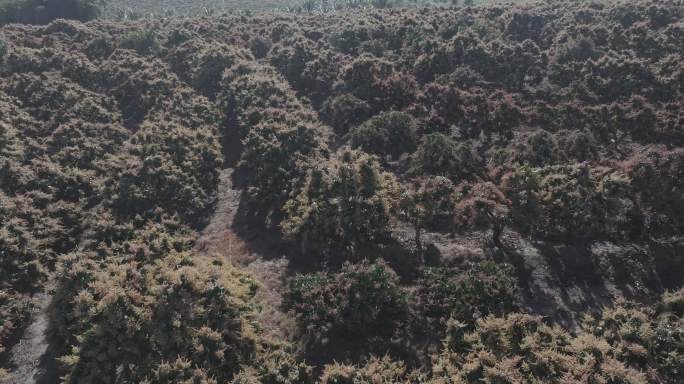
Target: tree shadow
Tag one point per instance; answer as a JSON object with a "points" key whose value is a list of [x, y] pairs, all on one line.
{"points": [[565, 281]]}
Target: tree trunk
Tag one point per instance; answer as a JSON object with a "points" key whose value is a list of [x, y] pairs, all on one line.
{"points": [[497, 230], [419, 243]]}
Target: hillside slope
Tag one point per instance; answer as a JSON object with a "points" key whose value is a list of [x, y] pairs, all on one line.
{"points": [[476, 194]]}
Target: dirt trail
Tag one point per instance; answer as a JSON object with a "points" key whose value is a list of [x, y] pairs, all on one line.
{"points": [[222, 236], [29, 361]]}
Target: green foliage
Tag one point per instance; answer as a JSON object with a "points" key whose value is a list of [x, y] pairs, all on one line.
{"points": [[563, 122], [275, 155], [3, 49], [388, 134], [673, 302], [363, 76], [521, 188], [628, 343], [29, 238], [580, 201], [44, 11], [538, 150], [399, 91], [331, 6], [169, 167], [179, 371], [639, 336], [124, 320], [141, 41], [259, 46], [465, 294], [572, 202], [346, 111], [275, 365], [480, 207], [279, 137], [14, 312], [374, 370], [361, 301], [202, 65], [521, 348], [656, 177], [428, 203], [345, 201], [668, 343], [439, 154]]}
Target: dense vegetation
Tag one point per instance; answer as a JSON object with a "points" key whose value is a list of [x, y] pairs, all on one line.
{"points": [[554, 124], [137, 9], [44, 11]]}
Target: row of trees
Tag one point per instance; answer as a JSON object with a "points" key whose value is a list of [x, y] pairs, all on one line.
{"points": [[112, 140], [345, 199], [527, 91], [105, 170], [454, 126], [628, 343], [351, 201], [364, 307], [483, 71]]}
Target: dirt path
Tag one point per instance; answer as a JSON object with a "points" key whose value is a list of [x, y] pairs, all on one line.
{"points": [[221, 236], [29, 362]]}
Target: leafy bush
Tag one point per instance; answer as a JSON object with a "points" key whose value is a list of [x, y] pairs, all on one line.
{"points": [[523, 348], [179, 371], [640, 336], [482, 206], [259, 46], [14, 312], [573, 113], [465, 294], [30, 238], [628, 343], [656, 177], [123, 320], [388, 134], [521, 188], [346, 111], [275, 365], [274, 156], [361, 301], [44, 11], [668, 335], [13, 175], [170, 167], [272, 134], [441, 107], [440, 155], [202, 65], [673, 302], [428, 203], [140, 41], [374, 370], [399, 91], [344, 201], [573, 201], [363, 76], [579, 201], [539, 149], [3, 49]]}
